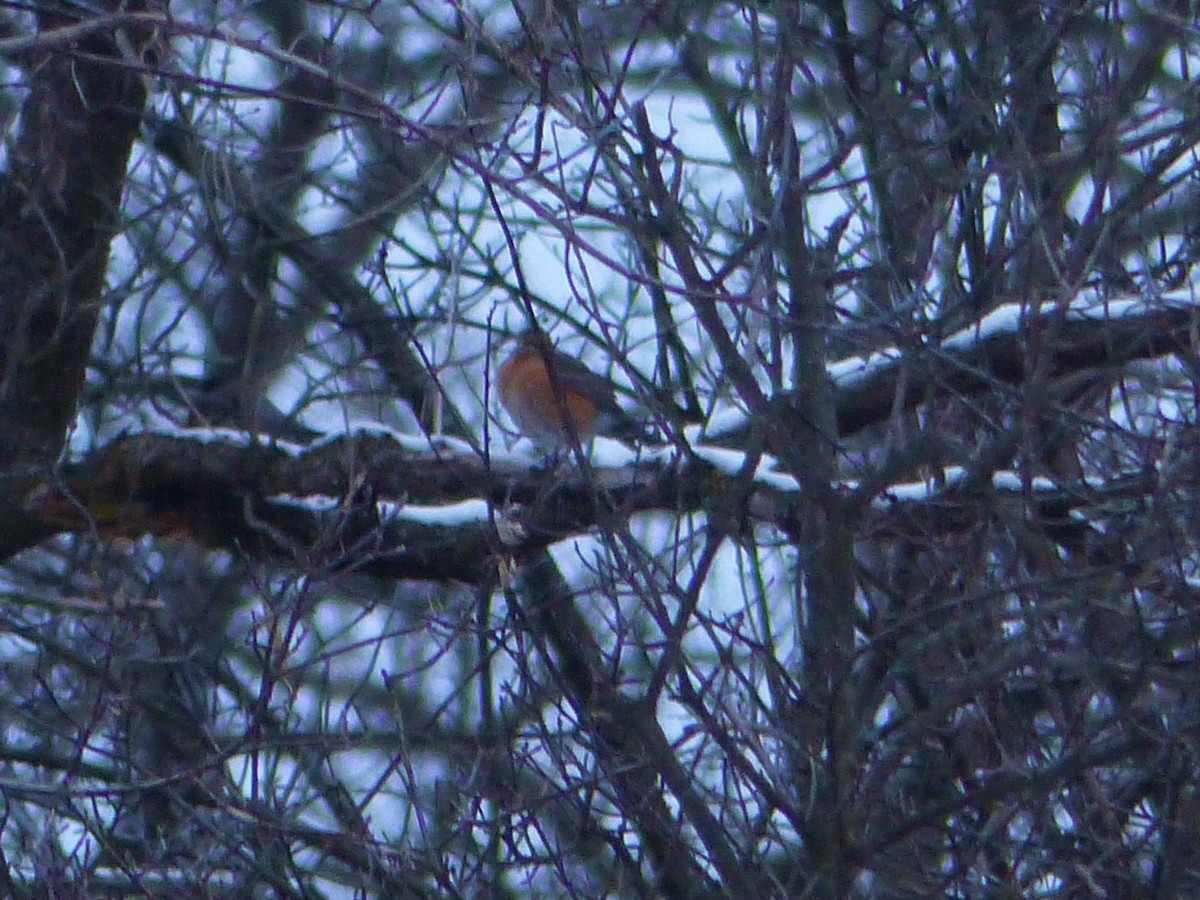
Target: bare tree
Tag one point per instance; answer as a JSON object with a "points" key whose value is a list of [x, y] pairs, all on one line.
{"points": [[897, 600]]}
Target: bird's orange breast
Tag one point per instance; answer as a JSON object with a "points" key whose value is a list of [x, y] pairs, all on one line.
{"points": [[529, 397]]}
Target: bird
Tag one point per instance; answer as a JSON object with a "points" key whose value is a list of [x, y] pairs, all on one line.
{"points": [[526, 380]]}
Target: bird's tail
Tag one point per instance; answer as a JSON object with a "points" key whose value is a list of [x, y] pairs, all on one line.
{"points": [[632, 429]]}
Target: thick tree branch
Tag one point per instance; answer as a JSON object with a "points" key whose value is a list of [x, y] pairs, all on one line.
{"points": [[61, 198]]}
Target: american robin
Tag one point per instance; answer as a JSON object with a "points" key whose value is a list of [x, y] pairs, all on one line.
{"points": [[527, 392]]}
